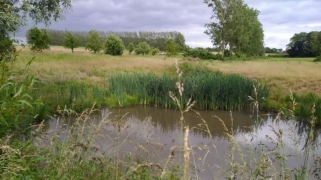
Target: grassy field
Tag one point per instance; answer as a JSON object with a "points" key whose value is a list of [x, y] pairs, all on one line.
{"points": [[73, 152], [300, 75]]}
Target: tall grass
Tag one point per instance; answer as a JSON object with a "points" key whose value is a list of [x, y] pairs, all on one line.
{"points": [[71, 95], [304, 104], [210, 89]]}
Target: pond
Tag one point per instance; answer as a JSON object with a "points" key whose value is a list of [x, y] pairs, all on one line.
{"points": [[154, 135]]}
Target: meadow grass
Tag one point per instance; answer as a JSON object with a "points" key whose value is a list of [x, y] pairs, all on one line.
{"points": [[300, 75]]}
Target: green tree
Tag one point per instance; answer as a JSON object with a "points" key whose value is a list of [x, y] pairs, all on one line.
{"points": [[70, 41], [305, 44], [297, 45], [142, 48], [131, 48], [15, 14], [313, 44], [172, 48], [180, 40], [155, 51], [236, 26], [94, 41], [38, 39], [114, 45]]}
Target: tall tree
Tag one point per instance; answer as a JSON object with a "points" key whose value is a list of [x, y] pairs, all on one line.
{"points": [[180, 40], [38, 39], [297, 45], [70, 41], [313, 43], [172, 48], [93, 41], [305, 44], [236, 26]]}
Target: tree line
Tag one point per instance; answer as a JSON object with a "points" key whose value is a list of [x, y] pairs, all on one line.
{"points": [[154, 39], [305, 44], [39, 40], [272, 50]]}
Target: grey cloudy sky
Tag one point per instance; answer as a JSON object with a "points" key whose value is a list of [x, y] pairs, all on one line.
{"points": [[280, 18]]}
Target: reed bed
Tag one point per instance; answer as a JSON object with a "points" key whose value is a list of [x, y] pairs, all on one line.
{"points": [[74, 95], [210, 89]]}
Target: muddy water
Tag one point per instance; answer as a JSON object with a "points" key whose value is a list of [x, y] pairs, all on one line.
{"points": [[154, 135]]}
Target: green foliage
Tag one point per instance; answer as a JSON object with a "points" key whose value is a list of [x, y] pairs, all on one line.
{"points": [[210, 90], [131, 48], [304, 105], [114, 45], [180, 41], [74, 95], [318, 59], [15, 101], [272, 50], [38, 39], [142, 48], [7, 49], [14, 14], [235, 26], [70, 41], [202, 54], [278, 55], [155, 51], [305, 44], [172, 48], [154, 39], [94, 41]]}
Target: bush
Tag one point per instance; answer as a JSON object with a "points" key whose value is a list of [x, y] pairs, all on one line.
{"points": [[142, 48], [131, 48], [202, 54], [155, 51], [279, 55], [114, 46], [318, 59]]}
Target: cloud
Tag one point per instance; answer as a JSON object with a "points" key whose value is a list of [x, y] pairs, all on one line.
{"points": [[280, 19]]}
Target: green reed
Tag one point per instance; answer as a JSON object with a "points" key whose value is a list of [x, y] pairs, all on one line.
{"points": [[74, 95], [210, 90]]}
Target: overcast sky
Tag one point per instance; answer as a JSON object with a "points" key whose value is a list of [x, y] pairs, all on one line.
{"points": [[280, 18]]}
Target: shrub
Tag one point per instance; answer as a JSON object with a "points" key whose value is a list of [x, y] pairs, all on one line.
{"points": [[155, 51], [114, 45], [142, 48], [131, 48], [202, 54], [318, 59], [279, 55]]}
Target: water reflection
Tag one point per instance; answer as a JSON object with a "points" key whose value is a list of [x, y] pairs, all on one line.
{"points": [[150, 133], [168, 120]]}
